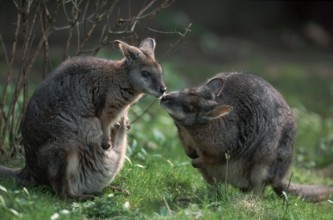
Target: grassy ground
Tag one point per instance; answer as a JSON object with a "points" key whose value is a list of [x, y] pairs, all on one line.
{"points": [[161, 186], [161, 180]]}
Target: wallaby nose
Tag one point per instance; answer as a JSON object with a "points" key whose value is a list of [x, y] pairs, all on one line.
{"points": [[164, 99], [163, 89]]}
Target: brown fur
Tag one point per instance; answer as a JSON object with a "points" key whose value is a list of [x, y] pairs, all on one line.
{"points": [[237, 128]]}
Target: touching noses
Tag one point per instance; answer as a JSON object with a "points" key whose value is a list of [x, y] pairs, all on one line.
{"points": [[165, 99], [162, 89]]}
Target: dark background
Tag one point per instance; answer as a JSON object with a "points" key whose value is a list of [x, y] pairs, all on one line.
{"points": [[292, 24]]}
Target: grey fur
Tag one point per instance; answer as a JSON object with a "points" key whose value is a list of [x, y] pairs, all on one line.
{"points": [[67, 124], [240, 116]]}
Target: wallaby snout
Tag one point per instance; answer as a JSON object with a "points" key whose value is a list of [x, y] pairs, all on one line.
{"points": [[152, 86], [169, 97], [162, 90], [159, 91], [164, 99], [167, 100]]}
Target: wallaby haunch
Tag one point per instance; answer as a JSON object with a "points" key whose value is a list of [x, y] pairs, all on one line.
{"points": [[238, 129], [67, 124]]}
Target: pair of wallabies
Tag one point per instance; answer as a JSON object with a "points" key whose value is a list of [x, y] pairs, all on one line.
{"points": [[236, 127]]}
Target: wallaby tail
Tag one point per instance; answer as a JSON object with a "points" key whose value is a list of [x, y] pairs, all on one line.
{"points": [[312, 193], [20, 175]]}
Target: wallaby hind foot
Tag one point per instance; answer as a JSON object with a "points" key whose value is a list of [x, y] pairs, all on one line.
{"points": [[21, 176], [106, 143], [76, 197]]}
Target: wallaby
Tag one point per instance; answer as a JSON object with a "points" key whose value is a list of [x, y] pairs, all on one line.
{"points": [[238, 129], [67, 123]]}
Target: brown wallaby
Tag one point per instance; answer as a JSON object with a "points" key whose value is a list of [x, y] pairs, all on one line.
{"points": [[67, 124], [238, 129]]}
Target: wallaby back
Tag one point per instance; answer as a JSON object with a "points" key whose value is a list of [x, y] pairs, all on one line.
{"points": [[72, 115], [238, 129]]}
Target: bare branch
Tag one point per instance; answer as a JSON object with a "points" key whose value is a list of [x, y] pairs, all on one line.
{"points": [[27, 42], [4, 50], [182, 36], [62, 28], [70, 34], [141, 14], [133, 21], [144, 112], [65, 11], [9, 74], [86, 21], [167, 32]]}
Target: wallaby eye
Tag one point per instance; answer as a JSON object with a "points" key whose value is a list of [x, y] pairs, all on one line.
{"points": [[186, 108], [145, 73]]}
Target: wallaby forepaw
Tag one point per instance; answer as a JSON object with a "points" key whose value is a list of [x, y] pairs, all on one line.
{"points": [[121, 190], [128, 125], [196, 163], [106, 144], [82, 197], [192, 154]]}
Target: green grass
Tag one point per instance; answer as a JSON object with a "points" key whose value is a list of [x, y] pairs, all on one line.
{"points": [[163, 184], [160, 188]]}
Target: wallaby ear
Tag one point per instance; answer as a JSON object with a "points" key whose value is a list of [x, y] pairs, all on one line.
{"points": [[215, 85], [219, 111], [131, 53], [149, 45]]}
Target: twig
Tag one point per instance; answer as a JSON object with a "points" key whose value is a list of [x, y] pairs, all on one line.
{"points": [[70, 34], [285, 202], [227, 157], [141, 16], [166, 32], [9, 74], [289, 182], [132, 20], [167, 206], [144, 112], [32, 61], [4, 50], [104, 37], [27, 30], [84, 14], [182, 36], [98, 16], [87, 37], [65, 11]]}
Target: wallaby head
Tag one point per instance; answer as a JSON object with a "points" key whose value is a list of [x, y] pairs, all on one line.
{"points": [[144, 72], [196, 105]]}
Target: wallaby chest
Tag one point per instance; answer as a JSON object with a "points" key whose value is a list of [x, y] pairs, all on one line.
{"points": [[198, 144]]}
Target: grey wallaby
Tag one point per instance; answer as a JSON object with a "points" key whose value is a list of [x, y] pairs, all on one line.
{"points": [[74, 128], [238, 129]]}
